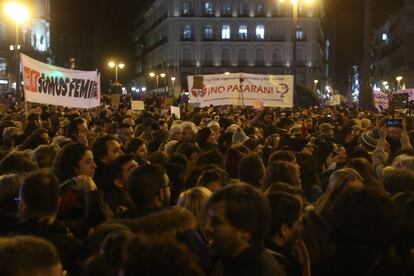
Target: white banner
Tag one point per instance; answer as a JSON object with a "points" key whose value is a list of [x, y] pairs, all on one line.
{"points": [[335, 100], [410, 93], [243, 89], [48, 84]]}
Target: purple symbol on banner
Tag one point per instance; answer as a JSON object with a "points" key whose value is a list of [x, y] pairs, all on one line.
{"points": [[282, 89]]}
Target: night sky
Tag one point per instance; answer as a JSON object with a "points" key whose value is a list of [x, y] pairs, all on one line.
{"points": [[98, 30]]}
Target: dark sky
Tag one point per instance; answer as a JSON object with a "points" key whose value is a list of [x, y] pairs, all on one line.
{"points": [[98, 30]]}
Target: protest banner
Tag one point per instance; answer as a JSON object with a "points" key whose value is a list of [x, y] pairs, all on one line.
{"points": [[176, 111], [48, 84], [137, 105], [381, 101], [243, 89]]}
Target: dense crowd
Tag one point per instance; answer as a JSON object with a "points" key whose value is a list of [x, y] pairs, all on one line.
{"points": [[220, 191]]}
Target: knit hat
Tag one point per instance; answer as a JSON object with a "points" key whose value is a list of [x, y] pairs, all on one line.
{"points": [[239, 137], [202, 136], [369, 139]]}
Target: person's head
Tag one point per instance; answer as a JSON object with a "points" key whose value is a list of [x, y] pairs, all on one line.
{"points": [[366, 218], [285, 219], [308, 123], [273, 140], [281, 171], [158, 256], [238, 216], [189, 131], [340, 181], [326, 129], [44, 155], [105, 149], [33, 141], [282, 155], [213, 179], [9, 191], [138, 148], [194, 200], [190, 151], [251, 170], [76, 127], [149, 187], [364, 168], [176, 132], [98, 131], [347, 134], [398, 180], [308, 170], [17, 163], [9, 136], [214, 126], [125, 133], [73, 160], [205, 138], [39, 195], [28, 256], [118, 171]]}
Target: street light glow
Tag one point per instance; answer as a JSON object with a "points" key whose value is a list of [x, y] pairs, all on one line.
{"points": [[315, 81], [385, 83], [294, 2], [121, 65], [17, 12], [399, 78], [173, 78], [227, 73], [111, 64], [163, 75], [144, 89], [152, 74]]}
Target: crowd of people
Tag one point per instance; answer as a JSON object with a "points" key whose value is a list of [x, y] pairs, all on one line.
{"points": [[219, 191]]}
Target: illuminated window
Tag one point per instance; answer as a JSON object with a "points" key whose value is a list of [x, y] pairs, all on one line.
{"points": [[208, 32], [187, 34], [243, 32], [225, 32], [300, 34], [227, 8], [259, 9], [260, 32], [384, 37], [208, 8], [186, 8]]}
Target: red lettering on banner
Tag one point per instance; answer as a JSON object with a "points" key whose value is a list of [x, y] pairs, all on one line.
{"points": [[267, 90], [260, 89], [254, 87], [229, 88], [30, 77], [221, 89]]}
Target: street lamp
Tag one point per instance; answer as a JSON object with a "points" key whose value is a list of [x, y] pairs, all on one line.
{"points": [[19, 14], [315, 82], [112, 64], [399, 79], [162, 75], [173, 85]]}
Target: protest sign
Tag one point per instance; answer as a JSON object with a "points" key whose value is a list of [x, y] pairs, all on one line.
{"points": [[381, 101], [48, 84], [243, 89], [137, 105], [335, 100], [176, 111]]}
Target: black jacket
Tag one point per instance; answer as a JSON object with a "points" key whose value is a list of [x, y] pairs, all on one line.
{"points": [[286, 258]]}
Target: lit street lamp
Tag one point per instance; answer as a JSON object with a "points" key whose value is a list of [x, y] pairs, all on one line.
{"points": [[173, 85], [112, 64], [19, 14], [162, 75], [399, 79]]}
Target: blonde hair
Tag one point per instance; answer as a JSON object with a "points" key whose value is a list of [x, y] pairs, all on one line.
{"points": [[194, 200]]}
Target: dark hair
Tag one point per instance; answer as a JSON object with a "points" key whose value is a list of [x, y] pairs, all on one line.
{"points": [[158, 256], [213, 174], [9, 190], [40, 193], [284, 188], [211, 157], [33, 141], [158, 157], [364, 168], [177, 175], [251, 170], [282, 155], [280, 171], [72, 127], [398, 181], [284, 209], [114, 168], [100, 149], [16, 163], [134, 145], [187, 149], [364, 217], [179, 159], [308, 171], [67, 160], [26, 255], [144, 183], [246, 209]]}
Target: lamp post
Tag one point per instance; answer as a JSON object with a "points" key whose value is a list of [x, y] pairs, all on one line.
{"points": [[112, 64], [162, 75], [19, 14], [399, 79], [366, 98], [173, 85]]}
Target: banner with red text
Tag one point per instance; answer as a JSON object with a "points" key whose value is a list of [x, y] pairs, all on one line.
{"points": [[410, 93], [48, 84], [243, 89]]}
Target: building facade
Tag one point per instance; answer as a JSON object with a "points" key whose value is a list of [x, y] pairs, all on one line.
{"points": [[188, 37], [34, 40], [392, 51]]}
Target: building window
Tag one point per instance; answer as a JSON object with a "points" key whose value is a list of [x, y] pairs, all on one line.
{"points": [[259, 9], [208, 8], [244, 8], [260, 32], [243, 57], [277, 57], [186, 8], [279, 8], [260, 57], [300, 34], [208, 32], [187, 33], [243, 32], [3, 66], [225, 57], [208, 56], [226, 8], [384, 37], [225, 32], [187, 56]]}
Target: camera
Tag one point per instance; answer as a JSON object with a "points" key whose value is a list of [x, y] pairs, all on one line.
{"points": [[394, 123]]}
